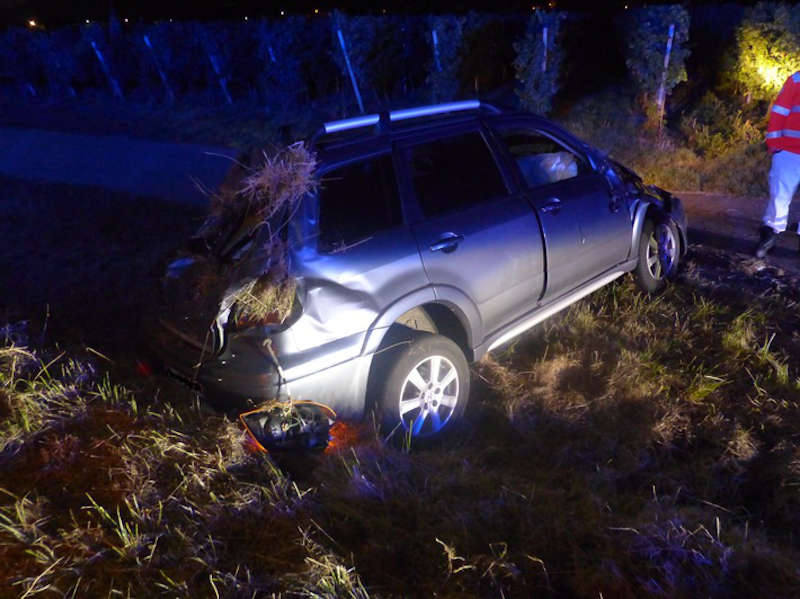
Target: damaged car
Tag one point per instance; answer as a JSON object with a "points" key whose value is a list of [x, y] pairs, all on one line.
{"points": [[428, 237]]}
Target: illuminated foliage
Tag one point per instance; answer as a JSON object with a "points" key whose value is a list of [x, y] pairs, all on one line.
{"points": [[768, 44], [539, 61], [646, 31]]}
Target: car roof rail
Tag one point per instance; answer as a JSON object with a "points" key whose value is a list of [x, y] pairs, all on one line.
{"points": [[368, 120], [353, 123]]}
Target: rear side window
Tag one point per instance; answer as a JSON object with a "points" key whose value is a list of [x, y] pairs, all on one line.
{"points": [[454, 173], [541, 160], [357, 201]]}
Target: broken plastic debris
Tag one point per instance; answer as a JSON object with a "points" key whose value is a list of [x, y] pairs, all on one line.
{"points": [[284, 425]]}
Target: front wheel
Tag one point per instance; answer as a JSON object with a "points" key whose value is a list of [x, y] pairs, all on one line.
{"points": [[426, 388], [659, 253]]}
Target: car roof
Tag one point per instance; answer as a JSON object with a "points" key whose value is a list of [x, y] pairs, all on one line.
{"points": [[345, 136]]}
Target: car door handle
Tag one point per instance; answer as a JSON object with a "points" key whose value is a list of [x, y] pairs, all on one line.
{"points": [[552, 206], [447, 243]]}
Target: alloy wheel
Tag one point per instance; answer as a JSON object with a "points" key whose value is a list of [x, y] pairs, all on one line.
{"points": [[428, 396], [662, 251]]}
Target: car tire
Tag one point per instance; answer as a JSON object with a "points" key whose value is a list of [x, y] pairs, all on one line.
{"points": [[410, 402], [658, 253]]}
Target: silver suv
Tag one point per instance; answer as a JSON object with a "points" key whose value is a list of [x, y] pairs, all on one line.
{"points": [[437, 234]]}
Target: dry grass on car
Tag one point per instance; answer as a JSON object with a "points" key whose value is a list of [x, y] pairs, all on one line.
{"points": [[265, 194]]}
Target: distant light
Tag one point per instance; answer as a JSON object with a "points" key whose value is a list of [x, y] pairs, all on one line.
{"points": [[126, 19], [88, 21], [316, 11], [245, 18], [626, 7], [32, 23], [283, 13]]}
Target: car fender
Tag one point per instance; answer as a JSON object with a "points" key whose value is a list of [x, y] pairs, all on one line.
{"points": [[466, 311], [640, 215], [463, 307], [386, 319]]}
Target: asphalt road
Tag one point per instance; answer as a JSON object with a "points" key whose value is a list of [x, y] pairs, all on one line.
{"points": [[168, 171]]}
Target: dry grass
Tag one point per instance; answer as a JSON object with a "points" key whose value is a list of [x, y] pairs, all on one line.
{"points": [[263, 196], [280, 182], [104, 494], [269, 298], [632, 447]]}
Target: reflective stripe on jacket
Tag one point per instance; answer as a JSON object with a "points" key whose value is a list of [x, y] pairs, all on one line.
{"points": [[783, 131]]}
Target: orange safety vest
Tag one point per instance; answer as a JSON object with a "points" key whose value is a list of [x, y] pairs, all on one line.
{"points": [[783, 131]]}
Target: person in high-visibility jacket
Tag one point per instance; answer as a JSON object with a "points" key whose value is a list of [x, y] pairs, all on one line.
{"points": [[783, 141]]}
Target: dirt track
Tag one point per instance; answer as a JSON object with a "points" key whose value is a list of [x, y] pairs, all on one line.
{"points": [[731, 223]]}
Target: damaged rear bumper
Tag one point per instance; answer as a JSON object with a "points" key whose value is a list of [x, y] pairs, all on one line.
{"points": [[242, 375]]}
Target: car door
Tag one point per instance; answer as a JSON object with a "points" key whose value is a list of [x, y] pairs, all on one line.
{"points": [[586, 230], [352, 255], [473, 235]]}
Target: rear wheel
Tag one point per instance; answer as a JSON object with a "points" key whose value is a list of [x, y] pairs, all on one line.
{"points": [[426, 388], [659, 253]]}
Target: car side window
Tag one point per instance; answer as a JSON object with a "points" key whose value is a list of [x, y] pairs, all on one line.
{"points": [[357, 201], [540, 159], [454, 173]]}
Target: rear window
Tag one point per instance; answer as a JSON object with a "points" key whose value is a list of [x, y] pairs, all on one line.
{"points": [[357, 201], [453, 174]]}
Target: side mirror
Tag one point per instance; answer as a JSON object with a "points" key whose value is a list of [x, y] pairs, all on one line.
{"points": [[610, 177]]}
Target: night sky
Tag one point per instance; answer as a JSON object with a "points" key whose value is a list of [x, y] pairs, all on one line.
{"points": [[52, 13]]}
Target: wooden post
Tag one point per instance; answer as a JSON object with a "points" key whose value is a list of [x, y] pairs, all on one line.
{"points": [[544, 41], [435, 37], [162, 75], [350, 70], [662, 90], [222, 83], [111, 81]]}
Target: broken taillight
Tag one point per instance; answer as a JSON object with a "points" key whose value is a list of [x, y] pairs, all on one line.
{"points": [[283, 425]]}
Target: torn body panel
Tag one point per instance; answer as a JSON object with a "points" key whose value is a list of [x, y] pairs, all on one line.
{"points": [[346, 298]]}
